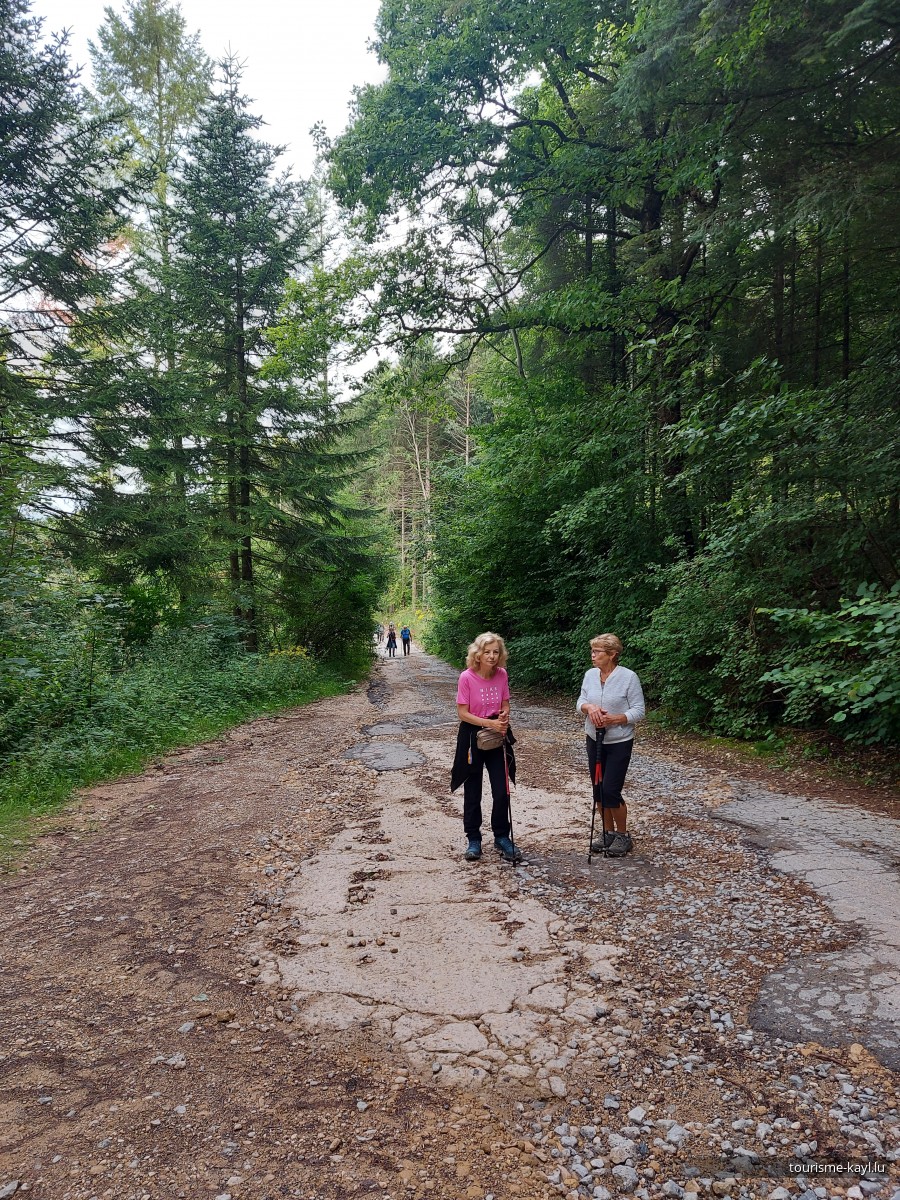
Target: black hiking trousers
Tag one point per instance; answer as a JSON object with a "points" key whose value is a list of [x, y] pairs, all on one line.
{"points": [[496, 769], [614, 760]]}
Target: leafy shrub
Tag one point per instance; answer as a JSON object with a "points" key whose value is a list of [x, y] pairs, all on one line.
{"points": [[844, 666], [703, 658], [186, 685]]}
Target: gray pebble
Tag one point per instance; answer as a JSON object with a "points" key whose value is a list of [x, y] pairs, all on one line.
{"points": [[626, 1178], [677, 1135]]}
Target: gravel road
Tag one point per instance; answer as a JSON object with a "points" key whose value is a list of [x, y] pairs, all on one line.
{"points": [[262, 969]]}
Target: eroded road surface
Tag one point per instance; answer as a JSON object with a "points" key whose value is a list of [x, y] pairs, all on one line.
{"points": [[263, 969]]}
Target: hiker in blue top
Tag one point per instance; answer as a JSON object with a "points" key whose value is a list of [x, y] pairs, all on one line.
{"points": [[406, 638]]}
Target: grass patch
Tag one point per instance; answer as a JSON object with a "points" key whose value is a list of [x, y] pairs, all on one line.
{"points": [[177, 695]]}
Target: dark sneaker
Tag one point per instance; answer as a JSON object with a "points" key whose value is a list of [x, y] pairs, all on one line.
{"points": [[597, 846], [619, 846], [629, 843], [505, 847], [473, 851]]}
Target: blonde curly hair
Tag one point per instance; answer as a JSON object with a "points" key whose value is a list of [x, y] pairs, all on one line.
{"points": [[477, 648]]}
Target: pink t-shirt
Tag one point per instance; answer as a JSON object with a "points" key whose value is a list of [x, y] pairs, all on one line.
{"points": [[483, 697]]}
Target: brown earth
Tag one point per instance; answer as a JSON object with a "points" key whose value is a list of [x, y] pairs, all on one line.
{"points": [[164, 1027]]}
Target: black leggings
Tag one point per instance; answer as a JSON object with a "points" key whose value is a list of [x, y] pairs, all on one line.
{"points": [[496, 769], [614, 760]]}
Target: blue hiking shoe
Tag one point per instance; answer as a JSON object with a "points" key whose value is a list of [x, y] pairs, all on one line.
{"points": [[473, 851], [510, 853]]}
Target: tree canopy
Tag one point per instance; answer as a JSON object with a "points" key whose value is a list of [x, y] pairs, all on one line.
{"points": [[666, 232]]}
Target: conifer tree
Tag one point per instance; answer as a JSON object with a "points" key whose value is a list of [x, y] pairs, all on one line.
{"points": [[241, 231], [59, 204], [132, 375]]}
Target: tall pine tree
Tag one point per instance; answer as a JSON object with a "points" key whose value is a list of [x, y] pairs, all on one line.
{"points": [[59, 205], [271, 469], [135, 382]]}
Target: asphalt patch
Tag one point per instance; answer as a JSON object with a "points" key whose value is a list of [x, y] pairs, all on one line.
{"points": [[385, 756]]}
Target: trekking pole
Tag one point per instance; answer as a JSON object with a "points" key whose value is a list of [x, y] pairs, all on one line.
{"points": [[597, 783], [512, 836]]}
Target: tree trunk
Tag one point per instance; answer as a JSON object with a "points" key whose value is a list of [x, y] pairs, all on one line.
{"points": [[845, 304], [468, 415], [792, 306], [778, 301], [817, 313], [589, 236], [251, 636], [412, 573], [234, 562], [613, 284], [403, 542]]}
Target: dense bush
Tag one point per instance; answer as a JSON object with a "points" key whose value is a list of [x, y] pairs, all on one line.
{"points": [[92, 683], [703, 658], [843, 667], [185, 685]]}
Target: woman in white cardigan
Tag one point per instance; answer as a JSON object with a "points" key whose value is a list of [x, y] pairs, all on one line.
{"points": [[612, 702]]}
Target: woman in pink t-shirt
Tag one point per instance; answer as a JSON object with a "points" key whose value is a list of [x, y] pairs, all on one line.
{"points": [[482, 701]]}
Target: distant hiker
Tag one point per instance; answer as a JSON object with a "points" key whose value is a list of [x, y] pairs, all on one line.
{"points": [[379, 633], [482, 702], [612, 702], [406, 638], [391, 640]]}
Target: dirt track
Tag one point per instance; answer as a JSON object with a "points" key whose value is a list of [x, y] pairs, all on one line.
{"points": [[263, 970]]}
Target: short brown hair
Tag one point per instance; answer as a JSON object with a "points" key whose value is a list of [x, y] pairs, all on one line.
{"points": [[473, 657]]}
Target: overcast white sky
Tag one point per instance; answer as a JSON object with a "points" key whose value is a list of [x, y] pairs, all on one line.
{"points": [[303, 57]]}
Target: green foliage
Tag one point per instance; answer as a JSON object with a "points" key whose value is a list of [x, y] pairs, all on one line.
{"points": [[60, 199], [56, 195], [657, 233], [702, 651], [843, 666], [185, 686], [154, 77], [330, 612]]}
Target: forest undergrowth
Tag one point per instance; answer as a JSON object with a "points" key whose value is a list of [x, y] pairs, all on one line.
{"points": [[179, 690]]}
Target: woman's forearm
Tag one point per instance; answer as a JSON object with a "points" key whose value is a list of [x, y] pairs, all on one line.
{"points": [[484, 722]]}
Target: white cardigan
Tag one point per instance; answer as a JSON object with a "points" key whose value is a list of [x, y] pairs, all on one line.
{"points": [[622, 693]]}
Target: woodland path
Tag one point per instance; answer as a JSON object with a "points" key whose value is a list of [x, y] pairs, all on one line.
{"points": [[262, 969]]}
